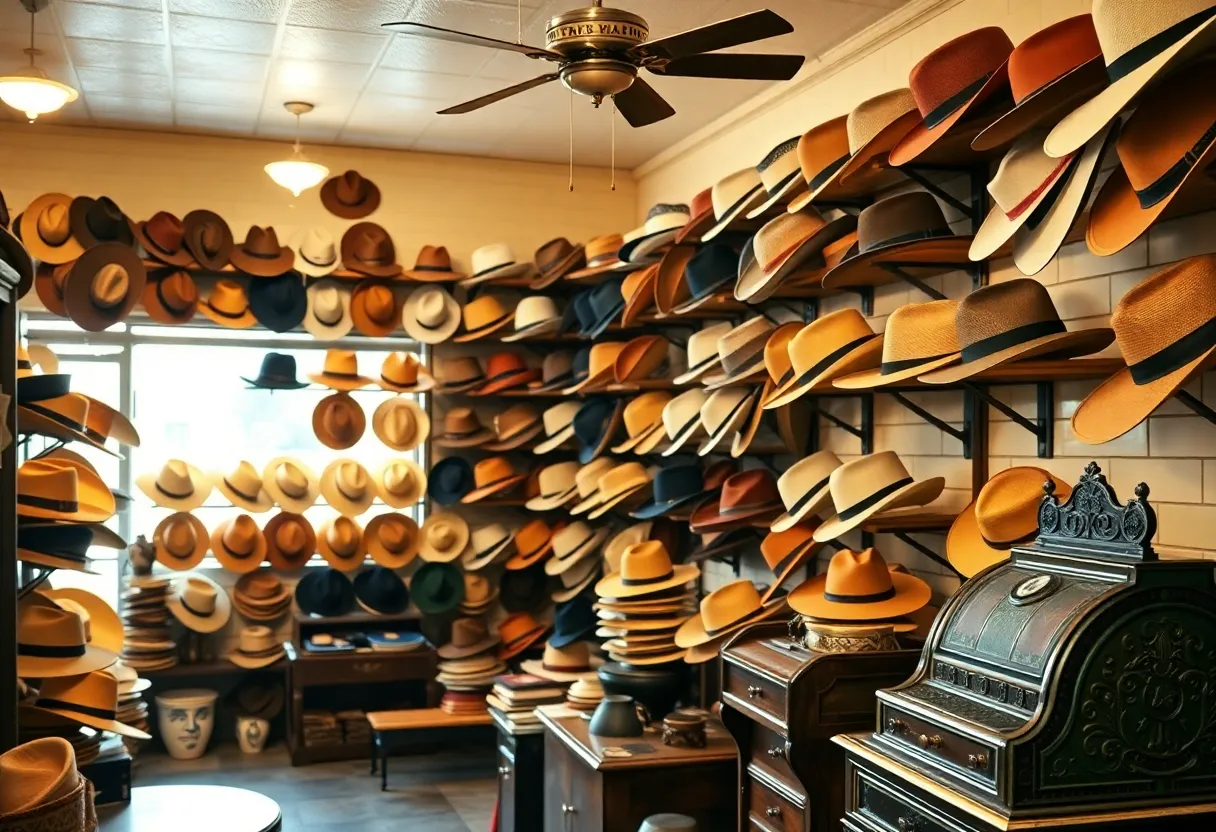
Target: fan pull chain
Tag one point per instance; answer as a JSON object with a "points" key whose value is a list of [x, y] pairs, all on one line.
{"points": [[519, 21], [571, 99], [613, 188]]}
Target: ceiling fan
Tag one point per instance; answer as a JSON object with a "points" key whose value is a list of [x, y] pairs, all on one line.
{"points": [[599, 52]]}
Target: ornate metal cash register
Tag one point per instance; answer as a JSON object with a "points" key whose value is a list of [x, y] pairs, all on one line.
{"points": [[1070, 687]]}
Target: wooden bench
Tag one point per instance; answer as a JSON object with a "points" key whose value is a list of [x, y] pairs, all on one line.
{"points": [[394, 731]]}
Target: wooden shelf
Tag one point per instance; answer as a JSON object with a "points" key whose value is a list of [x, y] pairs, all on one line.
{"points": [[1070, 369], [221, 667], [913, 521]]}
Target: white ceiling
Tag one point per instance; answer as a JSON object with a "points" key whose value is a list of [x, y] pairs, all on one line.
{"points": [[226, 67]]}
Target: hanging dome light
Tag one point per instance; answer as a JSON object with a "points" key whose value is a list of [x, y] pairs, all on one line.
{"points": [[297, 174], [29, 89]]}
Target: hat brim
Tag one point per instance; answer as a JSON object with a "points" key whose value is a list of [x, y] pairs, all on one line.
{"points": [[561, 596], [341, 383], [865, 269], [293, 505], [473, 561], [911, 594], [424, 383], [560, 269], [753, 371], [202, 623], [1061, 345], [670, 288], [552, 443], [633, 442], [552, 503], [868, 168], [697, 372], [684, 436], [695, 227], [503, 272], [807, 551], [94, 658], [692, 633], [746, 434], [863, 357], [745, 203], [793, 185], [753, 280], [966, 548], [869, 379], [432, 276], [917, 141], [913, 494], [310, 269], [202, 542], [522, 643], [33, 422], [517, 440], [339, 501], [733, 422], [475, 439], [422, 423], [540, 329], [232, 563], [255, 662], [820, 499], [485, 331], [280, 264], [479, 494], [1046, 105], [614, 586], [560, 564], [608, 503], [998, 227], [637, 250], [652, 510], [262, 504], [200, 485], [451, 651]]}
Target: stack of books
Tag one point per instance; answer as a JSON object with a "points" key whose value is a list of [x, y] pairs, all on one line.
{"points": [[515, 697], [355, 727], [321, 728]]}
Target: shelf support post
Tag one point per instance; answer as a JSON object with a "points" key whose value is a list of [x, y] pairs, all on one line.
{"points": [[1041, 429]]}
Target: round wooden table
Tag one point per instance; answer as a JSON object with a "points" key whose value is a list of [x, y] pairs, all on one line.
{"points": [[194, 809]]}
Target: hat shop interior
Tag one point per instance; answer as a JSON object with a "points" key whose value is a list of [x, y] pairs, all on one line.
{"points": [[739, 419]]}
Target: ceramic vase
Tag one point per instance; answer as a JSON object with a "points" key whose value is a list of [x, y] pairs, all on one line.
{"points": [[186, 719], [251, 733]]}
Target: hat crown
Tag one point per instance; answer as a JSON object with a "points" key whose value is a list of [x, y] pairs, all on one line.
{"points": [[552, 253], [1167, 127], [647, 561], [604, 355], [290, 538], [1122, 25], [351, 188], [858, 577], [955, 66], [559, 416], [467, 632], [484, 311], [461, 421], [825, 336], [1164, 308], [677, 482], [808, 474], [749, 489], [722, 406], [97, 689], [291, 479], [514, 420], [1003, 307], [110, 286], [342, 535], [823, 148], [378, 303], [623, 477], [493, 470], [431, 308], [492, 257], [341, 363], [211, 238], [745, 343], [572, 658], [165, 232], [712, 266], [558, 479], [776, 352], [726, 192], [860, 479], [460, 370], [556, 365], [912, 215], [1007, 508], [588, 477], [666, 215], [261, 242], [48, 626], [229, 299], [535, 309], [644, 412], [256, 639], [441, 535], [351, 480], [174, 479], [180, 537], [920, 331], [318, 247], [570, 537], [433, 258], [534, 534], [240, 537], [872, 116], [777, 166], [703, 344], [1050, 53], [393, 533], [501, 364], [276, 365], [53, 224], [684, 410], [1024, 174], [399, 423], [603, 249], [398, 478], [245, 480], [729, 604], [338, 417], [327, 306], [482, 538], [516, 626], [198, 596], [373, 245]]}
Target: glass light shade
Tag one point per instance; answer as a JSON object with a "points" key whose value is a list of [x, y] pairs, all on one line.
{"points": [[31, 92], [297, 174]]}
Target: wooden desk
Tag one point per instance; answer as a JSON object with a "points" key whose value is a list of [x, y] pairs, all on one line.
{"points": [[193, 809], [521, 776]]}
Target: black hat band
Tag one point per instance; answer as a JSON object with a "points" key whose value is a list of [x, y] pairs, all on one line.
{"points": [[63, 705], [885, 595], [1175, 356], [1012, 338], [671, 573], [873, 500], [1142, 53]]}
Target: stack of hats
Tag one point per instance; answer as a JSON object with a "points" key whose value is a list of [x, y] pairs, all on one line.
{"points": [[260, 596], [44, 789], [132, 709], [257, 647], [563, 663], [36, 724], [723, 613], [145, 616], [457, 702], [468, 663], [585, 694], [644, 603]]}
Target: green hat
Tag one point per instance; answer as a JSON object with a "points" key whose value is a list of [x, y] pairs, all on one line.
{"points": [[437, 588]]}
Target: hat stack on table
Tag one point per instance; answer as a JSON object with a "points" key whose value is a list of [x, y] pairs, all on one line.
{"points": [[643, 604], [468, 664]]}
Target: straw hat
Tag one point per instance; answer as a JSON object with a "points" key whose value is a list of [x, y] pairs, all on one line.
{"points": [[400, 423], [485, 545], [1005, 514], [341, 372], [645, 568], [374, 309], [587, 478], [517, 632], [1162, 327], [243, 488], [741, 352], [723, 413], [103, 627], [732, 197], [290, 541], [1013, 321], [870, 485], [638, 290], [495, 261], [338, 421], [430, 315], [392, 540], [459, 374], [199, 603], [1138, 46], [400, 482], [228, 306], [701, 207], [557, 486], [536, 316], [918, 338], [670, 289], [291, 483], [804, 488], [178, 485], [874, 127], [505, 371], [73, 492], [257, 647], [181, 541], [238, 544], [469, 638], [726, 610], [516, 425], [432, 264], [90, 699], [822, 151], [858, 586], [787, 551], [328, 316], [350, 196], [48, 629], [487, 314], [45, 229], [444, 536], [558, 422], [835, 345], [682, 418], [462, 429], [316, 252], [784, 245], [341, 542], [492, 476], [347, 487], [613, 488], [573, 544], [103, 286], [780, 175], [601, 370], [561, 664], [643, 418], [703, 355], [64, 417], [404, 372], [663, 222], [747, 497], [368, 249], [532, 543]]}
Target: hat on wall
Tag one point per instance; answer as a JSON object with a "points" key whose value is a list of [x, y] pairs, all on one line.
{"points": [[433, 264], [485, 315], [325, 592], [670, 288], [199, 603], [242, 486], [449, 480], [741, 352], [181, 541], [874, 127], [533, 542], [705, 274], [568, 663], [675, 488], [341, 542], [785, 244], [514, 426], [51, 642], [260, 254], [177, 485], [257, 647], [97, 221], [316, 252], [555, 259], [103, 286], [862, 488], [485, 546], [601, 367], [701, 207], [725, 412], [291, 483], [595, 424], [469, 638], [573, 543], [605, 303], [492, 476], [328, 315], [401, 482], [822, 151], [858, 586], [368, 249], [341, 371], [392, 540], [172, 299], [663, 222], [400, 423], [505, 371], [726, 610], [45, 229], [208, 238], [638, 291], [643, 418], [703, 355], [279, 303], [787, 551], [559, 425], [374, 309], [919, 337], [557, 486], [462, 428], [804, 488], [347, 487], [494, 262], [430, 315], [350, 196], [437, 588], [780, 175], [748, 497], [238, 544], [517, 633], [63, 417], [444, 537], [380, 591], [682, 418], [290, 541], [338, 421], [277, 372], [228, 306], [536, 316], [90, 699], [732, 197], [834, 345]]}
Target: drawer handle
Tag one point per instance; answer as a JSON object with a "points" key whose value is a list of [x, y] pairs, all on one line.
{"points": [[504, 772], [906, 824], [776, 752], [979, 762], [754, 692], [896, 726], [928, 742], [773, 812], [568, 809]]}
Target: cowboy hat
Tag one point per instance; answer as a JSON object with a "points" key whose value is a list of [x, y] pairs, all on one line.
{"points": [[732, 197], [433, 264], [177, 485], [556, 485], [341, 542], [51, 642], [615, 487], [45, 229], [573, 543], [400, 482], [430, 315], [208, 238], [257, 647], [437, 588], [238, 544], [368, 249], [97, 221], [278, 372], [514, 426], [536, 316], [350, 196], [260, 254], [392, 540], [919, 337], [199, 603], [291, 483], [404, 372], [243, 488], [663, 222], [103, 286], [484, 546], [228, 306], [646, 568], [494, 262], [341, 371], [338, 421], [279, 303], [555, 259], [874, 127], [316, 253], [105, 627], [328, 316], [858, 586], [449, 480], [748, 498], [682, 418], [67, 418], [804, 488], [444, 537], [400, 423], [566, 663], [787, 551], [172, 299], [724, 412], [63, 486], [324, 592], [491, 476], [781, 177], [90, 699], [870, 485], [374, 309], [290, 541], [781, 247], [741, 352], [638, 290], [347, 487], [726, 610], [705, 274], [485, 315], [834, 345]]}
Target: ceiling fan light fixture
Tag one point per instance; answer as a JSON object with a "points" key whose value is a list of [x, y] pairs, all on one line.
{"points": [[598, 77], [297, 174]]}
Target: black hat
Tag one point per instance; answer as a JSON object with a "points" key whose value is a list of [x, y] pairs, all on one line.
{"points": [[381, 591], [438, 588], [96, 221], [578, 314], [279, 303], [325, 592], [607, 301], [259, 696], [39, 388], [711, 268], [594, 425], [525, 590], [725, 542], [449, 480], [278, 372], [64, 545], [673, 487], [573, 621]]}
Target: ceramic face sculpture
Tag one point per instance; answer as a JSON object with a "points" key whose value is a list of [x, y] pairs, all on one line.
{"points": [[186, 720], [251, 733]]}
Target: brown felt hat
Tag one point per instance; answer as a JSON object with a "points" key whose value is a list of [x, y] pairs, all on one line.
{"points": [[747, 497], [208, 238], [506, 370], [103, 286], [96, 221], [341, 542], [290, 541], [338, 421], [858, 586], [601, 254], [918, 338], [163, 238], [432, 265], [260, 254], [491, 476], [177, 485], [555, 259], [375, 309], [368, 249], [514, 426], [462, 428], [350, 196], [172, 299], [392, 539]]}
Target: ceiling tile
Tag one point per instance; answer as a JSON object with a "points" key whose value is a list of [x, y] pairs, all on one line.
{"points": [[426, 55], [373, 138], [471, 134], [86, 20], [347, 15], [124, 109], [319, 74], [210, 33], [218, 92], [98, 81], [258, 11], [213, 64], [316, 134], [218, 118], [488, 19], [326, 45], [123, 57], [154, 5]]}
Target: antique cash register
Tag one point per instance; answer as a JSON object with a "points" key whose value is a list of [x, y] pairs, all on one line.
{"points": [[1070, 687]]}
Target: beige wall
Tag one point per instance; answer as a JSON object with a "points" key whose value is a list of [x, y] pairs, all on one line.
{"points": [[1174, 451]]}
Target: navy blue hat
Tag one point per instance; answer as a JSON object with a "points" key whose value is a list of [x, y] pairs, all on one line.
{"points": [[450, 479], [607, 302], [573, 621], [711, 268], [59, 542], [673, 487], [581, 365], [39, 388], [437, 588], [381, 591], [278, 372], [279, 303], [595, 423], [325, 592], [525, 590]]}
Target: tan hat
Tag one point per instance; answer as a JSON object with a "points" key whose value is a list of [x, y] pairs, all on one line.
{"points": [[485, 315], [804, 488], [787, 551], [400, 423], [741, 352], [643, 418], [462, 429], [682, 418], [430, 315], [587, 479], [341, 371], [858, 586], [44, 788], [261, 596], [60, 488], [338, 421], [470, 637], [178, 485], [401, 482], [732, 197], [870, 485], [559, 425], [291, 483], [243, 488], [347, 487], [181, 541], [514, 426], [316, 252], [601, 367], [726, 610], [238, 544], [492, 476], [612, 488], [374, 309], [556, 485], [574, 543], [341, 542], [670, 287], [562, 664], [392, 540], [822, 151], [228, 306], [67, 418], [328, 316], [257, 647], [638, 291], [445, 535], [45, 229], [723, 413], [104, 627], [404, 372], [51, 642], [703, 355], [835, 345], [290, 541], [781, 176], [536, 316], [103, 286], [874, 127], [90, 699], [782, 246], [919, 337], [645, 568], [199, 603], [485, 545]]}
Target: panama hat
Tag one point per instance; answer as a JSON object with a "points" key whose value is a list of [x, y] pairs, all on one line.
{"points": [[568, 663], [871, 485], [486, 315], [536, 316], [682, 418], [177, 485], [291, 483], [556, 485], [533, 541], [495, 261], [62, 489], [638, 291], [858, 586], [780, 175], [341, 371], [290, 541], [328, 315], [484, 546], [663, 222], [646, 568], [243, 488], [874, 127], [228, 306], [1139, 45], [66, 418], [630, 479], [347, 487], [430, 315], [1013, 321], [516, 425], [338, 421], [444, 537], [437, 588], [559, 425], [449, 480], [459, 374], [341, 542], [392, 540], [103, 286], [374, 309], [741, 352], [726, 610], [724, 413], [783, 246], [462, 428], [404, 372], [703, 355], [400, 482], [368, 249], [643, 418], [748, 497], [104, 626], [786, 551], [238, 544], [601, 367], [572, 544], [837, 344], [733, 197], [45, 228], [350, 196], [505, 371], [316, 252], [257, 647], [90, 699], [199, 603], [51, 642], [97, 221], [919, 337], [491, 476], [400, 423], [260, 254], [822, 151], [804, 488]]}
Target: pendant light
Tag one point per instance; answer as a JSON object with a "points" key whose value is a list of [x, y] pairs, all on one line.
{"points": [[297, 174], [29, 89]]}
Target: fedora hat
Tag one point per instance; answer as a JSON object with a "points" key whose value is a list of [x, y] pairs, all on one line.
{"points": [[177, 485], [90, 699], [400, 423], [786, 551], [646, 568], [341, 371], [491, 476], [103, 626], [804, 488], [278, 372], [368, 249], [506, 370], [587, 478], [338, 421], [228, 306], [670, 287], [39, 380], [822, 151], [605, 302], [430, 315], [97, 221], [350, 196], [858, 586], [747, 497], [837, 344], [638, 290], [733, 197], [45, 229], [952, 84], [557, 487], [449, 480], [494, 262], [341, 542], [705, 273], [279, 303], [261, 596], [484, 546], [535, 317], [324, 592], [576, 579], [919, 337], [433, 264], [238, 544], [517, 632], [260, 254], [291, 483], [874, 127], [469, 638], [103, 286], [290, 541], [1139, 45], [316, 252], [780, 175], [701, 207], [242, 486], [601, 367], [328, 316], [781, 247], [400, 482], [1164, 331], [462, 429], [630, 479], [437, 588], [1050, 73], [559, 425], [533, 542], [674, 488], [374, 309], [48, 286], [208, 239], [777, 355], [347, 487], [479, 597], [66, 418], [180, 541], [556, 371], [513, 427], [257, 647], [444, 537], [601, 253], [485, 315], [595, 424], [555, 259], [622, 540], [392, 540], [643, 418], [703, 354], [1003, 515], [199, 603], [572, 544], [741, 352], [871, 485], [682, 418], [663, 222], [723, 413], [726, 610], [1013, 321], [567, 663], [459, 374], [51, 643]]}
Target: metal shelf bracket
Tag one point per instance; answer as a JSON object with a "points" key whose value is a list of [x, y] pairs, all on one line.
{"points": [[1041, 427]]}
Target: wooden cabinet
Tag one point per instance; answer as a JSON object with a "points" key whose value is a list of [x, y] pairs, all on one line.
{"points": [[521, 783]]}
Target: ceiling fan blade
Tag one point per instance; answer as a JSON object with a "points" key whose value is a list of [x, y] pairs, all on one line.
{"points": [[478, 103], [642, 105], [721, 35], [731, 65], [452, 36]]}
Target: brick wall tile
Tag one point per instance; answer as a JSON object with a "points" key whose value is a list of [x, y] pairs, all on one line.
{"points": [[1169, 480], [1077, 262], [1082, 298], [1181, 436], [1192, 526], [909, 440], [1133, 443], [1183, 237]]}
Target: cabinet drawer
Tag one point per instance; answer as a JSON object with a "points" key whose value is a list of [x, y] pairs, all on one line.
{"points": [[939, 745], [769, 809], [770, 751], [362, 668], [751, 692], [877, 806]]}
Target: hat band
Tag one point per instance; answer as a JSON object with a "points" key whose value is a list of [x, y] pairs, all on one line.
{"points": [[259, 255], [462, 434], [704, 363], [782, 182], [944, 110], [483, 552], [1022, 206], [713, 631], [1169, 181], [885, 595], [892, 367], [347, 494], [50, 651], [171, 494], [24, 364], [498, 481], [1175, 356], [873, 500], [734, 411], [199, 613], [696, 418], [225, 314], [238, 492], [1008, 544], [237, 555], [753, 349], [1041, 210], [670, 573], [432, 327], [748, 507], [57, 418], [1014, 337], [801, 502], [68, 506], [735, 205], [64, 705], [791, 558], [554, 495], [557, 668], [827, 173], [420, 268], [1142, 53], [508, 316], [503, 376], [396, 383], [170, 304], [493, 268], [910, 237], [336, 374], [834, 356], [575, 549], [321, 264]]}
